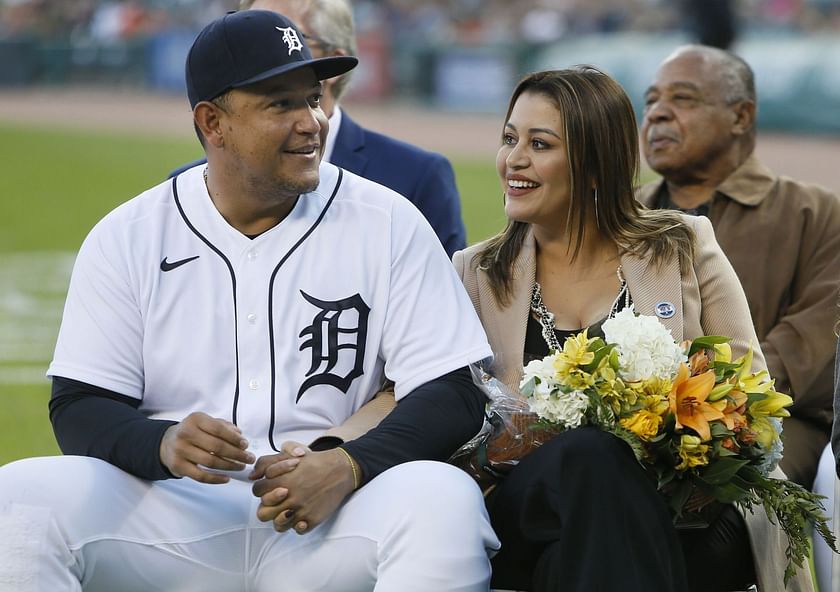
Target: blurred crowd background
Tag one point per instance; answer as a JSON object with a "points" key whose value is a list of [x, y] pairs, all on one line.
{"points": [[454, 54], [464, 21]]}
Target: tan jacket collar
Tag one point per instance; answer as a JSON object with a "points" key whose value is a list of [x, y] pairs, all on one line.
{"points": [[506, 331], [750, 183]]}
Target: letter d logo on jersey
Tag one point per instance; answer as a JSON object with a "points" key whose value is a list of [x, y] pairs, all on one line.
{"points": [[337, 338]]}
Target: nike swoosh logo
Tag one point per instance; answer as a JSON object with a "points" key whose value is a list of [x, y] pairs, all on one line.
{"points": [[167, 266]]}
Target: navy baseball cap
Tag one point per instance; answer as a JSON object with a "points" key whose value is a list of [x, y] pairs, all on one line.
{"points": [[248, 46]]}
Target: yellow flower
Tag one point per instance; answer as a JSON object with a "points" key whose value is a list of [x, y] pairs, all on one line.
{"points": [[612, 389], [765, 432], [692, 452], [577, 380], [755, 382], [688, 401], [744, 362], [644, 423], [723, 352], [773, 405], [654, 387], [575, 354], [657, 404]]}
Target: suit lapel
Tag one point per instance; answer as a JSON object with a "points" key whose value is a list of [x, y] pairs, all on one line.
{"points": [[652, 285], [506, 326], [348, 152]]}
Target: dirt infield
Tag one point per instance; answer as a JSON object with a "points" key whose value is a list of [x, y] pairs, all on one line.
{"points": [[457, 135]]}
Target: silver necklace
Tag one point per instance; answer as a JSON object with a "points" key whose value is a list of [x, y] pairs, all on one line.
{"points": [[546, 317]]}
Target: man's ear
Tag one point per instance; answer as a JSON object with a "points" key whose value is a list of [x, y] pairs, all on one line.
{"points": [[207, 117], [337, 51], [744, 117]]}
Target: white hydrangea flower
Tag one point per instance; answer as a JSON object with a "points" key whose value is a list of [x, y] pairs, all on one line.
{"points": [[543, 370], [645, 347], [565, 410]]}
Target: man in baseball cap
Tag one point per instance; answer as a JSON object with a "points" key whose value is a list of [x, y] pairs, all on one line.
{"points": [[246, 47], [218, 322]]}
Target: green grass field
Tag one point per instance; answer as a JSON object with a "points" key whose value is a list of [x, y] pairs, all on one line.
{"points": [[55, 185]]}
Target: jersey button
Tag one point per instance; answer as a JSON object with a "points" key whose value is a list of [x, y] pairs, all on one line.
{"points": [[254, 384], [252, 254], [252, 318]]}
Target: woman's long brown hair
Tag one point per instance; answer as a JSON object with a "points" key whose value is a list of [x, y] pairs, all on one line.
{"points": [[602, 147]]}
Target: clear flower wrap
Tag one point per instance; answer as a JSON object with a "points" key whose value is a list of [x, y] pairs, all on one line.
{"points": [[510, 431]]}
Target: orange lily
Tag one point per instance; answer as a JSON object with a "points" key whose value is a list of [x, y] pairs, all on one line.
{"points": [[699, 362], [732, 406], [688, 401]]}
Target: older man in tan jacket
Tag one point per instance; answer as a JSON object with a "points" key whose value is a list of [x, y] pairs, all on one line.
{"points": [[782, 236]]}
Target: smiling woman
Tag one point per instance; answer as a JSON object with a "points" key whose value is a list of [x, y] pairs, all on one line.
{"points": [[579, 513]]}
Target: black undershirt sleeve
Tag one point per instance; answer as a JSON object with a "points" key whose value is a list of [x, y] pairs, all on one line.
{"points": [[430, 423], [92, 421]]}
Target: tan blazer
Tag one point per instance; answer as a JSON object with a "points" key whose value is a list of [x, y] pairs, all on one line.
{"points": [[708, 300]]}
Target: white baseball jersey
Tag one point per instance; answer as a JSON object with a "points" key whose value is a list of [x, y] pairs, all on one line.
{"points": [[287, 334]]}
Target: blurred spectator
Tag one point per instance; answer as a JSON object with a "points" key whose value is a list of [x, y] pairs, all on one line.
{"points": [[712, 22], [543, 23], [438, 21]]}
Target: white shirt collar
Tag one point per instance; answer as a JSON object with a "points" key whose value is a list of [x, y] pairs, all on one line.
{"points": [[335, 123]]}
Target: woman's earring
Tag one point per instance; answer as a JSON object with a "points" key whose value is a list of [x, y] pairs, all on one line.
{"points": [[597, 218]]}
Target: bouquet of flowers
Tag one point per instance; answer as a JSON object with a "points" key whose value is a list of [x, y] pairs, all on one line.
{"points": [[705, 425]]}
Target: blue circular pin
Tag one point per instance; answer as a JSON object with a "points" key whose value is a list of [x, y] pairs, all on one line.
{"points": [[665, 310]]}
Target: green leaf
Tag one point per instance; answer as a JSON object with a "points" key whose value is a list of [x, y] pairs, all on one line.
{"points": [[600, 353], [754, 478], [706, 342], [719, 392], [722, 471], [719, 430], [729, 493], [753, 397], [724, 368], [722, 452], [597, 344], [614, 364], [527, 389]]}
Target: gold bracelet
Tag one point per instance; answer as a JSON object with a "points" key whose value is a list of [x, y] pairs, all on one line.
{"points": [[352, 467]]}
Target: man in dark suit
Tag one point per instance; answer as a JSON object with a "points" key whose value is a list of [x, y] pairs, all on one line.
{"points": [[425, 178]]}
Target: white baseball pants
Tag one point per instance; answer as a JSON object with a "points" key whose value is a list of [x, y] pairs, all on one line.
{"points": [[76, 523]]}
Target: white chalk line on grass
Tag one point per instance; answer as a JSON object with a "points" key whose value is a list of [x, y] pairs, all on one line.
{"points": [[33, 286]]}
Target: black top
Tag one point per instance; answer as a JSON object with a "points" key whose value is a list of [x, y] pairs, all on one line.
{"points": [[536, 347]]}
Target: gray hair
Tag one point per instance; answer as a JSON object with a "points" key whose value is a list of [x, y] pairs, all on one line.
{"points": [[332, 22], [737, 80]]}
